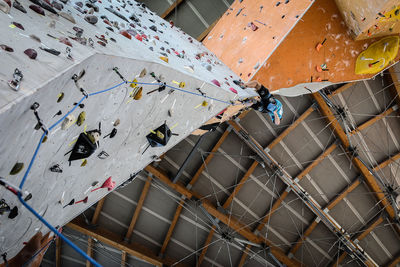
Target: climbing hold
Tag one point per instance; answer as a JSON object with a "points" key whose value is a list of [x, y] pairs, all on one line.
{"points": [[217, 83], [13, 213], [320, 45], [84, 147], [143, 73], [60, 97], [204, 103], [4, 207], [57, 5], [31, 53], [164, 59], [126, 34], [51, 51], [159, 137], [233, 90], [85, 200], [81, 118], [6, 48], [117, 122], [137, 93], [112, 134], [70, 203], [67, 16], [139, 37], [4, 6], [180, 84], [109, 184], [68, 121], [17, 168], [92, 19], [65, 41], [18, 25], [44, 139], [34, 37], [56, 168], [37, 9], [253, 26], [15, 82], [84, 162], [383, 52]]}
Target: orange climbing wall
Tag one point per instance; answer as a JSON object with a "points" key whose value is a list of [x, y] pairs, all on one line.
{"points": [[295, 60], [233, 41]]}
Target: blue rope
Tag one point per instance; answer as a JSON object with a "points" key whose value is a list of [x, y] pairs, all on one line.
{"points": [[66, 240]]}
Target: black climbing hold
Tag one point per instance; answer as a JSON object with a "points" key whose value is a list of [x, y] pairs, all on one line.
{"points": [[112, 134], [4, 207], [84, 147], [18, 6], [72, 202], [17, 168], [56, 168], [51, 51], [13, 213], [278, 3], [160, 136], [103, 155]]}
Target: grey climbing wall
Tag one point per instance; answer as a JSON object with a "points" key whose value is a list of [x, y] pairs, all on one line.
{"points": [[121, 41]]}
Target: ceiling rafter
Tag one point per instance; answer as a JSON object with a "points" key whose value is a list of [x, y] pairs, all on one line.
{"points": [[58, 252], [385, 163], [373, 120], [369, 178], [189, 186], [359, 236], [395, 261], [329, 206], [135, 215], [171, 8], [247, 175], [227, 220], [341, 89], [95, 218], [225, 206], [114, 240], [303, 195]]}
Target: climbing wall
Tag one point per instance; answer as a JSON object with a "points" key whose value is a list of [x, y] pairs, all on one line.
{"points": [[101, 84], [250, 31], [292, 47], [370, 19]]}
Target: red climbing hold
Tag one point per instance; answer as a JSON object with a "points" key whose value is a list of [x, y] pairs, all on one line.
{"points": [[109, 184], [139, 37], [85, 200], [65, 41], [233, 90], [216, 83], [6, 48], [31, 53], [37, 9], [126, 34]]}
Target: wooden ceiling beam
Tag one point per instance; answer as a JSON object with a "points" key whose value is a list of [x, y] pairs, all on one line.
{"points": [[248, 174], [360, 236], [58, 252], [227, 220], [138, 209], [330, 206], [194, 179], [135, 215], [373, 120], [171, 8], [114, 240], [95, 218], [341, 89], [369, 178], [386, 162]]}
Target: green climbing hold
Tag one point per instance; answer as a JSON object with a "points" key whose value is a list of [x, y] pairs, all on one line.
{"points": [[81, 118], [17, 168]]}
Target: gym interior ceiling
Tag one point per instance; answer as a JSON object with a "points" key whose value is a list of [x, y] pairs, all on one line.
{"points": [[227, 195]]}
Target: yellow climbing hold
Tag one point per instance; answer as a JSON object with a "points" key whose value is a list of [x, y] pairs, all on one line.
{"points": [[133, 83], [378, 56], [84, 162], [393, 15], [138, 93], [164, 59], [81, 118]]}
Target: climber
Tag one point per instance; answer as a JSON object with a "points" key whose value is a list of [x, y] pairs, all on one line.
{"points": [[266, 103]]}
